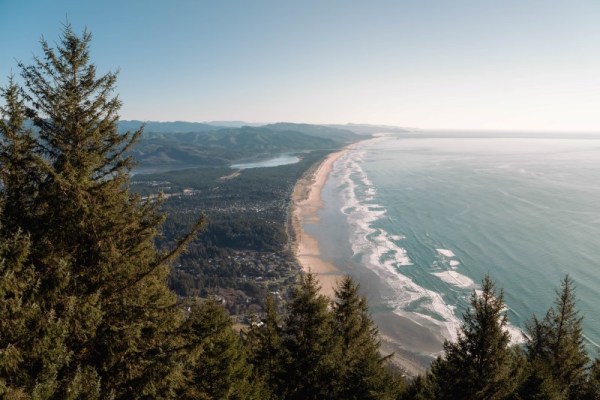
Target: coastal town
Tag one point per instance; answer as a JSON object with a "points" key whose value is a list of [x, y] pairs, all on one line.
{"points": [[247, 249]]}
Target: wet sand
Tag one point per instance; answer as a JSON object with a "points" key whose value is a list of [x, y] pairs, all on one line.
{"points": [[307, 201], [411, 342]]}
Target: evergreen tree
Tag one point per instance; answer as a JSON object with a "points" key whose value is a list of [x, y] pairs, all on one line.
{"points": [[363, 372], [20, 168], [420, 388], [479, 365], [105, 313], [19, 313], [310, 347], [592, 387], [215, 365], [33, 335], [264, 341], [556, 350]]}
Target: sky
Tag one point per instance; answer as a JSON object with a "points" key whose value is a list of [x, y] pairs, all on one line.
{"points": [[494, 65]]}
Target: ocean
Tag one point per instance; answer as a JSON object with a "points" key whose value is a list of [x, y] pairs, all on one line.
{"points": [[419, 220]]}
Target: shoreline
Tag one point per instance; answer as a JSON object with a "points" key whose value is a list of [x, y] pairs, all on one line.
{"points": [[306, 202], [410, 343]]}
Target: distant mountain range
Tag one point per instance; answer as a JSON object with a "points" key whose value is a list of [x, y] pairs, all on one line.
{"points": [[182, 127], [222, 143], [188, 143]]}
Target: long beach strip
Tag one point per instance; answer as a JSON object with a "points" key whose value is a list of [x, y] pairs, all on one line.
{"points": [[307, 201]]}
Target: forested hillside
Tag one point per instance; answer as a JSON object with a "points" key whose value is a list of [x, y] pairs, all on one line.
{"points": [[206, 145]]}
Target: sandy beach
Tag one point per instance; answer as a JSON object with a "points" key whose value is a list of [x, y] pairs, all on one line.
{"points": [[411, 343], [307, 201]]}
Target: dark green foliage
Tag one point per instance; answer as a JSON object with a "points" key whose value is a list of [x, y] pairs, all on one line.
{"points": [[264, 341], [592, 386], [556, 351], [479, 364], [104, 310], [215, 365], [311, 349], [420, 388], [318, 352], [19, 172], [19, 313], [362, 369], [38, 325]]}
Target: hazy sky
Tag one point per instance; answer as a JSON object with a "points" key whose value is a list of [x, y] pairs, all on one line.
{"points": [[503, 64]]}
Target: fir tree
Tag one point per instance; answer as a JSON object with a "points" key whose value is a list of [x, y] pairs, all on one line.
{"points": [[310, 347], [215, 365], [556, 350], [264, 341], [19, 174], [592, 386], [420, 388], [34, 334], [106, 315], [363, 372], [19, 313], [479, 365]]}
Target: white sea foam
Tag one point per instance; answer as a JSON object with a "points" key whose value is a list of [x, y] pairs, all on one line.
{"points": [[382, 251], [516, 335], [397, 237], [370, 192], [455, 279], [446, 252], [591, 341], [379, 252]]}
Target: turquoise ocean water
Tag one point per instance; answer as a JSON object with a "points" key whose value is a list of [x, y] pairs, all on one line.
{"points": [[429, 216]]}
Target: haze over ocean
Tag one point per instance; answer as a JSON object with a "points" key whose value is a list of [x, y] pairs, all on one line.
{"points": [[432, 215]]}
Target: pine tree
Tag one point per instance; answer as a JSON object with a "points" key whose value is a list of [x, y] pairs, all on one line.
{"points": [[20, 168], [310, 349], [17, 287], [420, 388], [479, 365], [97, 274], [556, 350], [215, 365], [264, 341], [33, 336], [363, 372], [592, 386]]}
